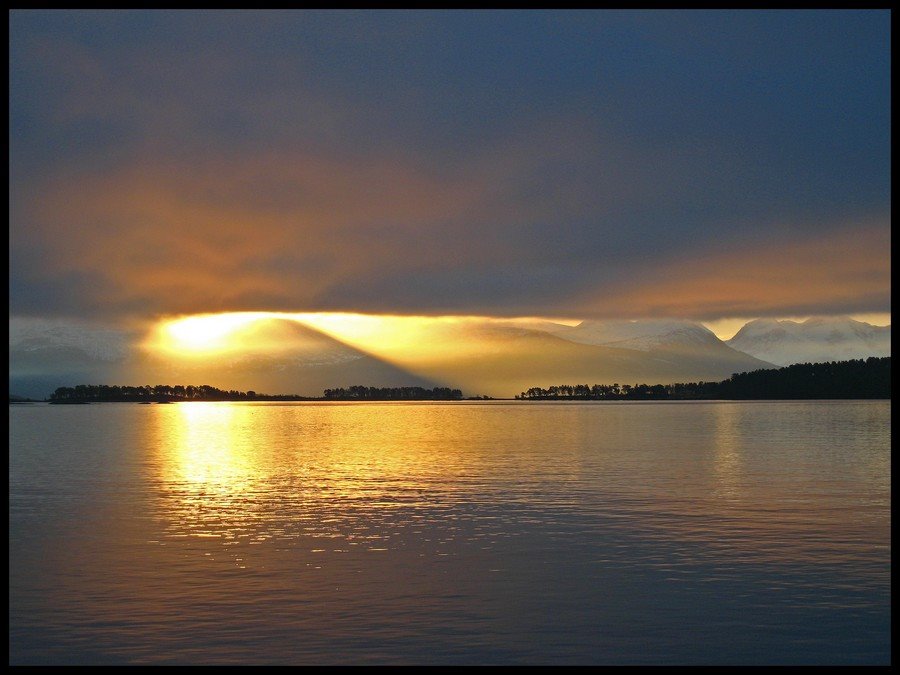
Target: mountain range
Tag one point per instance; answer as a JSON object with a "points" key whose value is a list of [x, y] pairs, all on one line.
{"points": [[815, 340], [490, 357]]}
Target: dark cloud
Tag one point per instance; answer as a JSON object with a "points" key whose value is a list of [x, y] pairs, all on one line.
{"points": [[531, 163]]}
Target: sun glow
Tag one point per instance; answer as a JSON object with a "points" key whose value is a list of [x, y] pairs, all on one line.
{"points": [[387, 336], [406, 341], [403, 340], [215, 334], [202, 335]]}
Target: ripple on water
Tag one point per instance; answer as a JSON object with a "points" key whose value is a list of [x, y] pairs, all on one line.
{"points": [[231, 533]]}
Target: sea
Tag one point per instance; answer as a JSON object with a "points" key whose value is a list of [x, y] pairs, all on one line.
{"points": [[459, 533]]}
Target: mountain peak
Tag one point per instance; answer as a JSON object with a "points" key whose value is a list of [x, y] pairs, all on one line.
{"points": [[830, 321], [818, 339], [640, 334]]}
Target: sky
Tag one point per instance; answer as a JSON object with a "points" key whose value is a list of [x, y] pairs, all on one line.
{"points": [[596, 164]]}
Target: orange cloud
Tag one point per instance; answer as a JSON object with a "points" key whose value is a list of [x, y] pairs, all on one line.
{"points": [[844, 270], [293, 231], [271, 230]]}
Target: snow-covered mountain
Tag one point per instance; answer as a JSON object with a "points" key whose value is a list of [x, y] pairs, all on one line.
{"points": [[503, 360], [816, 340], [498, 358], [34, 336], [643, 335], [45, 354]]}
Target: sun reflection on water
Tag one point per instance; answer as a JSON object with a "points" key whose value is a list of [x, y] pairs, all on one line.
{"points": [[205, 448], [324, 477], [336, 477], [306, 532], [728, 463]]}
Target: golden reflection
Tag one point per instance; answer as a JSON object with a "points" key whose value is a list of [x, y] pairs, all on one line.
{"points": [[205, 447], [343, 476], [250, 472], [207, 478], [728, 465]]}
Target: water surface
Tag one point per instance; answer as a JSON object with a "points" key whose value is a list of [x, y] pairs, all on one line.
{"points": [[457, 533]]}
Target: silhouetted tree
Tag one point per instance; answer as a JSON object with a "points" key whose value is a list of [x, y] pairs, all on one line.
{"points": [[869, 378]]}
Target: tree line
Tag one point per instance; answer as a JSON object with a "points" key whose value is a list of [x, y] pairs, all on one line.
{"points": [[857, 378], [103, 393], [164, 393], [360, 393]]}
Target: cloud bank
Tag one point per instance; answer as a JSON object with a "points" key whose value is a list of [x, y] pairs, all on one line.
{"points": [[691, 164]]}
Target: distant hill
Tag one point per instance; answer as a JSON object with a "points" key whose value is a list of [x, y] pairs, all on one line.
{"points": [[500, 360], [479, 357], [491, 358], [281, 356], [13, 398], [815, 340], [46, 354], [643, 335]]}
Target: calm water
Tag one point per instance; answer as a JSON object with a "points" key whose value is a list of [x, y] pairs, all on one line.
{"points": [[493, 533]]}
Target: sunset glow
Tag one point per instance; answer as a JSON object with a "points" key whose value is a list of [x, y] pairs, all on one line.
{"points": [[400, 338], [386, 337], [202, 335]]}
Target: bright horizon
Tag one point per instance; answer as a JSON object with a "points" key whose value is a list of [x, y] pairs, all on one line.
{"points": [[478, 354], [209, 332], [392, 192], [409, 336]]}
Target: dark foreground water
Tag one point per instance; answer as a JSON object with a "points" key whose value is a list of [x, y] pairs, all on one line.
{"points": [[477, 533]]}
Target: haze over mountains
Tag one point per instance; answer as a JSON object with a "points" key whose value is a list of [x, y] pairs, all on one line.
{"points": [[500, 360], [644, 335], [278, 356], [815, 340], [46, 354], [492, 357]]}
